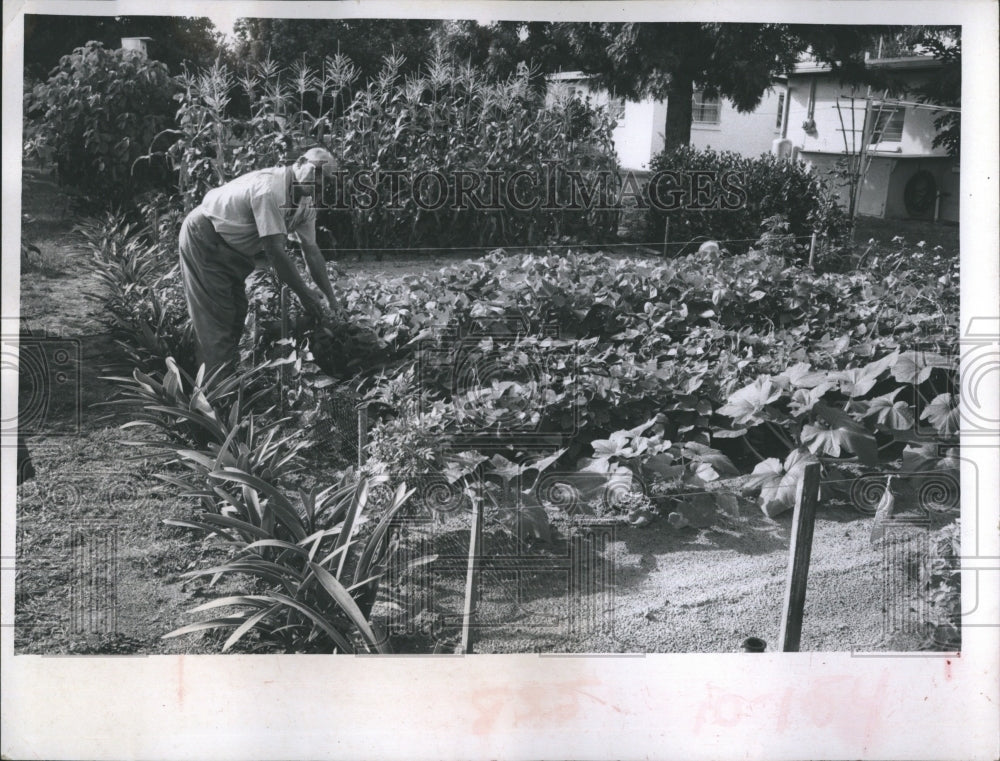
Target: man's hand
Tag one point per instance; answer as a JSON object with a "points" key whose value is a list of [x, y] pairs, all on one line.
{"points": [[314, 303]]}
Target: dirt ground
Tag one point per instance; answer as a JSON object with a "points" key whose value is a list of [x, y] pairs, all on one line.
{"points": [[652, 589]]}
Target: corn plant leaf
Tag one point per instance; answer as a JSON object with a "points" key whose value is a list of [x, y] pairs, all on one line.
{"points": [[357, 505], [198, 419], [278, 543], [374, 543], [246, 529], [254, 601]]}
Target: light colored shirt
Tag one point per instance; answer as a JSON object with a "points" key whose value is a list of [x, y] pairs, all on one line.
{"points": [[258, 204]]}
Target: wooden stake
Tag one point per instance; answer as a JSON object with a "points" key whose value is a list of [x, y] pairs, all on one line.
{"points": [[284, 334], [812, 250], [362, 434], [472, 577], [666, 235], [803, 521]]}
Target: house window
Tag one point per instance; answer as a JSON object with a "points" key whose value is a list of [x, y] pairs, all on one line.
{"points": [[704, 108], [888, 127], [781, 110]]}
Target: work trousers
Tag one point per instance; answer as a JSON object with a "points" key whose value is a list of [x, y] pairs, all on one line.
{"points": [[214, 276]]}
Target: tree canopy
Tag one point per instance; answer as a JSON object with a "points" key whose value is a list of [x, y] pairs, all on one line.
{"points": [[364, 41], [176, 39], [737, 61]]}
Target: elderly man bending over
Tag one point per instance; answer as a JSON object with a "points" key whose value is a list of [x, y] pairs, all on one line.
{"points": [[219, 239]]}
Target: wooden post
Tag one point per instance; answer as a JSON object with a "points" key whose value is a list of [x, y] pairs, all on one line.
{"points": [[284, 334], [472, 576], [362, 433], [803, 520], [666, 235], [812, 249]]}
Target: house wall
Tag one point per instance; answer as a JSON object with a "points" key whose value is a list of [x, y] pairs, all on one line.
{"points": [[872, 202], [828, 136], [639, 135], [747, 134], [892, 165]]}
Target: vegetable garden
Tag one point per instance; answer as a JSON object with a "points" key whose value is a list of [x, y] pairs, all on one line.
{"points": [[563, 387]]}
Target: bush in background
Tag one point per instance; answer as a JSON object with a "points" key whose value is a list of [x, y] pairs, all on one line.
{"points": [[773, 187], [96, 114]]}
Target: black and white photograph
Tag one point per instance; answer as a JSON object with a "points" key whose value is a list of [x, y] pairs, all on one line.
{"points": [[552, 334]]}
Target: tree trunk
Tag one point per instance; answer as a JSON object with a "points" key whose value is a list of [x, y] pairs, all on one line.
{"points": [[677, 131]]}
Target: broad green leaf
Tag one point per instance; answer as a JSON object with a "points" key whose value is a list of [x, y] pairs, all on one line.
{"points": [[916, 366], [801, 375], [889, 413], [710, 464], [848, 433], [744, 406], [804, 399], [778, 482], [944, 414], [854, 382]]}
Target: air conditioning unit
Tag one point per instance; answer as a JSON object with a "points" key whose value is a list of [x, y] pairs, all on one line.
{"points": [[782, 148]]}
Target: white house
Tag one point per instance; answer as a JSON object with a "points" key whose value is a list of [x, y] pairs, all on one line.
{"points": [[908, 177], [138, 44], [715, 122]]}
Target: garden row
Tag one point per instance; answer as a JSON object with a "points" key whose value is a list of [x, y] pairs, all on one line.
{"points": [[652, 378]]}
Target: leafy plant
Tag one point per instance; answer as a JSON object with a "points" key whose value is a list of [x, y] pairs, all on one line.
{"points": [[317, 577], [141, 292], [98, 112], [771, 186], [941, 587]]}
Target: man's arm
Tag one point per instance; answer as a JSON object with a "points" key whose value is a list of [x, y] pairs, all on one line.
{"points": [[317, 268], [274, 248]]}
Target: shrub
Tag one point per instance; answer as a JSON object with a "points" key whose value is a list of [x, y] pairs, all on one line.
{"points": [[96, 114], [772, 186]]}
